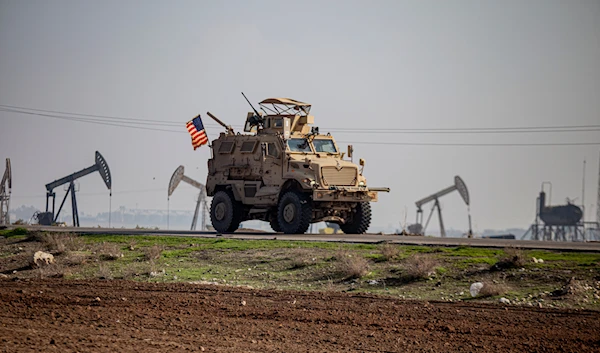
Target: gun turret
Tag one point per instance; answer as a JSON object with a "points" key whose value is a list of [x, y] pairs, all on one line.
{"points": [[227, 127], [253, 120]]}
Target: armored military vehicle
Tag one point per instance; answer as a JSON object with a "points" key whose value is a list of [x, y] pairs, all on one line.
{"points": [[283, 171]]}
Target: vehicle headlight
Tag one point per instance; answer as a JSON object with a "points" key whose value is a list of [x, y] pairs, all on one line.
{"points": [[309, 181], [361, 183]]}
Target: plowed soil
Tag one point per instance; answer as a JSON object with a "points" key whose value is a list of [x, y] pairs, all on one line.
{"points": [[124, 316]]}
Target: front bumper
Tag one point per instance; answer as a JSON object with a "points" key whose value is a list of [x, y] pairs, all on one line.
{"points": [[345, 194]]}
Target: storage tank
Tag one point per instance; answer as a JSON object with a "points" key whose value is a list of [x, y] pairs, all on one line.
{"points": [[563, 215]]}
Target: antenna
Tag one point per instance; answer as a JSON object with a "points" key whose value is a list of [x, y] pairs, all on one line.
{"points": [[100, 165], [461, 187], [179, 176], [5, 191]]}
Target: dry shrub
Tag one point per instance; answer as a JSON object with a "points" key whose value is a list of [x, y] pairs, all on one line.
{"points": [[37, 236], [137, 269], [512, 258], [300, 258], [132, 245], [74, 259], [104, 272], [420, 266], [351, 265], [300, 262], [492, 289], [153, 253], [58, 243], [51, 271], [389, 251], [572, 287], [109, 251]]}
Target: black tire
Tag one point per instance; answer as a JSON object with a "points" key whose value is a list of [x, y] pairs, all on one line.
{"points": [[274, 222], [294, 212], [225, 212], [361, 219]]}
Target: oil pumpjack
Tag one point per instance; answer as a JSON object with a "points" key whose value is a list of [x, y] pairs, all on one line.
{"points": [[179, 176], [5, 190], [461, 187], [49, 217]]}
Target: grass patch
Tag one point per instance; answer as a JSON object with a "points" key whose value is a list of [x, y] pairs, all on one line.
{"points": [[386, 269], [579, 258], [14, 232]]}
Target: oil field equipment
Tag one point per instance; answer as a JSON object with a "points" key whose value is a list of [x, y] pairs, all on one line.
{"points": [[556, 223], [179, 176], [5, 190], [285, 172], [461, 187], [49, 217]]}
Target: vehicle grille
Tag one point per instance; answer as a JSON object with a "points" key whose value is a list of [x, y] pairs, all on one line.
{"points": [[343, 177]]}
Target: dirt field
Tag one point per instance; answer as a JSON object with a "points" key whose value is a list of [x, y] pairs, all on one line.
{"points": [[123, 316]]}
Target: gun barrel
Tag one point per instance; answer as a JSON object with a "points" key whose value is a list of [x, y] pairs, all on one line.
{"points": [[216, 119], [255, 111], [229, 129]]}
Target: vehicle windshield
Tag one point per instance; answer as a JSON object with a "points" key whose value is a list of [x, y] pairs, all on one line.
{"points": [[299, 145], [325, 145]]}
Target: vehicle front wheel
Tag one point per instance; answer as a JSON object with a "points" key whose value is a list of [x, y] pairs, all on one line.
{"points": [[225, 212], [361, 219], [294, 212], [274, 222]]}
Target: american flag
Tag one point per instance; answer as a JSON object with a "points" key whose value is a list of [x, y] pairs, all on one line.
{"points": [[196, 129]]}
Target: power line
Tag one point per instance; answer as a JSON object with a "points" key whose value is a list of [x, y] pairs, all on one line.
{"points": [[90, 121], [497, 131], [136, 124], [473, 144], [533, 129], [478, 129]]}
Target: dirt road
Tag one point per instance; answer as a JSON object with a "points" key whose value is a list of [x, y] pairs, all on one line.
{"points": [[121, 316]]}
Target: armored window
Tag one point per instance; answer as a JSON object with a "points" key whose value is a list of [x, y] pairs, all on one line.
{"points": [[226, 147], [272, 150], [299, 145], [278, 123], [248, 146], [324, 146]]}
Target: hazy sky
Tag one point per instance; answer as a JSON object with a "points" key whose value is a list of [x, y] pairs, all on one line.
{"points": [[363, 65]]}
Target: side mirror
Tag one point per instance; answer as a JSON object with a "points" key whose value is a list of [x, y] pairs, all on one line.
{"points": [[361, 162], [350, 150]]}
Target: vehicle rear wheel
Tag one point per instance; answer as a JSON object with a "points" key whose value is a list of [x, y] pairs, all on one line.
{"points": [[294, 212], [225, 212], [361, 219]]}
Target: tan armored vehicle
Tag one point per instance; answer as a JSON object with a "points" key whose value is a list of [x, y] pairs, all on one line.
{"points": [[285, 172]]}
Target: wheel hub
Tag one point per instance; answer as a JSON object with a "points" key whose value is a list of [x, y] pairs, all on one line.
{"points": [[220, 211], [289, 213]]}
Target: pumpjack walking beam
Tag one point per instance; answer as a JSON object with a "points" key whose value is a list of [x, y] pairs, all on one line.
{"points": [[100, 165]]}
